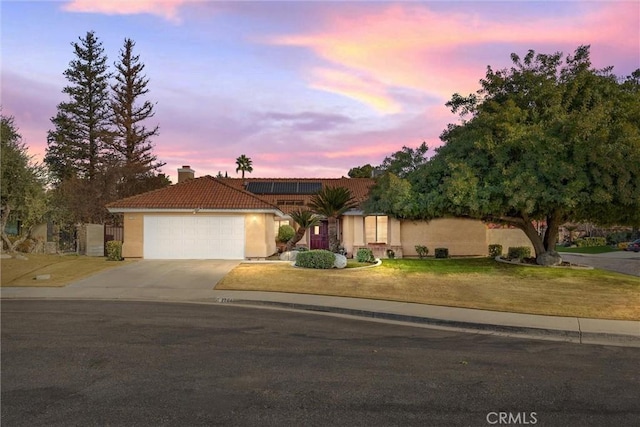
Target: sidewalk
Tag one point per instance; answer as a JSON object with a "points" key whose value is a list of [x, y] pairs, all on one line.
{"points": [[571, 329]]}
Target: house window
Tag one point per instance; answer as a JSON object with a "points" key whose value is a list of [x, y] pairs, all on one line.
{"points": [[277, 223], [375, 228]]}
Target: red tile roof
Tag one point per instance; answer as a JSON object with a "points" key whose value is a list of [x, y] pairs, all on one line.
{"points": [[200, 193], [229, 193], [359, 188]]}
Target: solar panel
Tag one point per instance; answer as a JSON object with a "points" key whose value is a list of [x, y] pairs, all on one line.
{"points": [[283, 187]]}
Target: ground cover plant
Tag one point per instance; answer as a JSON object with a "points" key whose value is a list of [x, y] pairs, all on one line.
{"points": [[480, 283], [587, 249]]}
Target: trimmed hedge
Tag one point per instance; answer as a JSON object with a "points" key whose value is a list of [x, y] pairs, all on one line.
{"points": [[317, 258], [422, 251], [114, 250], [441, 253], [365, 255], [285, 233], [519, 252], [495, 250], [591, 241]]}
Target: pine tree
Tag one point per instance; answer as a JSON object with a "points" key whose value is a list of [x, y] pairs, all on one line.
{"points": [[76, 145], [131, 141]]}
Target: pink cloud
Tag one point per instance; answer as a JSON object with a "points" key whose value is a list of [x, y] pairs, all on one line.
{"points": [[370, 49], [167, 9]]}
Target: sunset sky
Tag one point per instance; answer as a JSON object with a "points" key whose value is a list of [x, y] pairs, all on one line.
{"points": [[303, 88]]}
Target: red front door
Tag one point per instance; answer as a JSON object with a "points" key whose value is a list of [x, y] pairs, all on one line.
{"points": [[320, 236]]}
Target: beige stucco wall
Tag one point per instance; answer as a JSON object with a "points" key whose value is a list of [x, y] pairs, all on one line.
{"points": [[133, 235], [507, 238], [259, 234], [460, 236]]}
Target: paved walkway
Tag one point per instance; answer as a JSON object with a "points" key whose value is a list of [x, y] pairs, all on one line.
{"points": [[195, 285]]}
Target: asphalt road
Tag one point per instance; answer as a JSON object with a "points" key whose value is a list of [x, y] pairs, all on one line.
{"points": [[130, 363]]}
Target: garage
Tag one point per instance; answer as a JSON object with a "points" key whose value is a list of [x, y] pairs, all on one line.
{"points": [[194, 237]]}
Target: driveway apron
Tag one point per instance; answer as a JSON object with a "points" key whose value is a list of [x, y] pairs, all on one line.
{"points": [[161, 274]]}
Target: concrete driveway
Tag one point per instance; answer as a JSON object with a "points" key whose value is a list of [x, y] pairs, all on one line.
{"points": [[620, 261], [161, 274]]}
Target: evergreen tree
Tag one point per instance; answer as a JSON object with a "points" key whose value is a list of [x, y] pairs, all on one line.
{"points": [[81, 125], [131, 143]]}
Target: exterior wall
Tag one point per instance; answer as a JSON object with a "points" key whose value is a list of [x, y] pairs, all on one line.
{"points": [[91, 240], [508, 237], [133, 235], [347, 233], [259, 234], [461, 236]]}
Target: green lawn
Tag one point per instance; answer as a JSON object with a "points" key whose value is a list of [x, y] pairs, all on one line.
{"points": [[587, 249], [469, 282]]}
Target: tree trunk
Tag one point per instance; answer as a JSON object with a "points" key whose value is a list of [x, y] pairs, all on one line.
{"points": [[333, 234], [296, 238], [553, 230]]}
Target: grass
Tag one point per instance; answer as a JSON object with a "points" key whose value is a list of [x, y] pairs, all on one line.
{"points": [[470, 283], [63, 269], [587, 249]]}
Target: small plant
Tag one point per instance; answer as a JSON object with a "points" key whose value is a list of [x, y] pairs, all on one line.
{"points": [[365, 255], [391, 254], [114, 250], [519, 252], [422, 251], [285, 233], [495, 250], [591, 241], [317, 258], [442, 253]]}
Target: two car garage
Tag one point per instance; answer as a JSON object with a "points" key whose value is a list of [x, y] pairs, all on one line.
{"points": [[194, 237]]}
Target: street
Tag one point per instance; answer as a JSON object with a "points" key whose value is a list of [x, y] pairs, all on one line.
{"points": [[144, 363]]}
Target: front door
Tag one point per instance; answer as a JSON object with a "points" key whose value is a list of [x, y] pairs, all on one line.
{"points": [[320, 236]]}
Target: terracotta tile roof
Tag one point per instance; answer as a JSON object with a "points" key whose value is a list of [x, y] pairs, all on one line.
{"points": [[204, 193], [359, 188]]}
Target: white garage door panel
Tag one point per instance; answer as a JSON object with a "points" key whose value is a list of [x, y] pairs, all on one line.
{"points": [[193, 237]]}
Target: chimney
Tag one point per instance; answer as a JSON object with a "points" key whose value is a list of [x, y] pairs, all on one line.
{"points": [[185, 173]]}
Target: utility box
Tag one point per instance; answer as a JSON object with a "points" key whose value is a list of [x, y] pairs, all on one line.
{"points": [[91, 240]]}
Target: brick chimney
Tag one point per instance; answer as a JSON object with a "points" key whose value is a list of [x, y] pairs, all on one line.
{"points": [[185, 173]]}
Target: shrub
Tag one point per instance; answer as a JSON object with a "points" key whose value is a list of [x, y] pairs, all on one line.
{"points": [[623, 245], [442, 253], [317, 258], [495, 250], [114, 250], [285, 233], [519, 252], [422, 251], [619, 237], [365, 255], [591, 241]]}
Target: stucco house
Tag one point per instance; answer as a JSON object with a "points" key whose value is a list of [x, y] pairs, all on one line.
{"points": [[232, 218]]}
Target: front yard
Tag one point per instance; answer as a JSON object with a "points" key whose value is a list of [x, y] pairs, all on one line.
{"points": [[471, 283], [62, 269]]}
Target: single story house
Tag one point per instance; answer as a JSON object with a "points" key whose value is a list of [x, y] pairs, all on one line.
{"points": [[233, 218]]}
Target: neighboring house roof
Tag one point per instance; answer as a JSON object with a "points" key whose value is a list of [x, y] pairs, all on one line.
{"points": [[209, 193], [288, 202], [205, 193]]}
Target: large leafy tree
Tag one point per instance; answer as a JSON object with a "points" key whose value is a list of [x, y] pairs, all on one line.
{"points": [[405, 162], [332, 202], [132, 139], [364, 171], [81, 125], [547, 139], [22, 194], [304, 219], [244, 164]]}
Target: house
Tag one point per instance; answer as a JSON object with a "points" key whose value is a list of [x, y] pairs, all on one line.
{"points": [[233, 218]]}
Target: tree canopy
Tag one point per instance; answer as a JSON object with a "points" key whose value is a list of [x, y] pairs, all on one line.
{"points": [[547, 139], [22, 194], [244, 164]]}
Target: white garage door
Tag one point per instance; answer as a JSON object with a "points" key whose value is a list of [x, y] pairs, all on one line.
{"points": [[193, 237]]}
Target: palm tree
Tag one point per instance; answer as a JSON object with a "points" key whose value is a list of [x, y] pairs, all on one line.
{"points": [[332, 202], [244, 165], [305, 220]]}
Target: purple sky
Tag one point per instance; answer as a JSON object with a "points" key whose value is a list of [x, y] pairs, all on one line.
{"points": [[305, 89]]}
